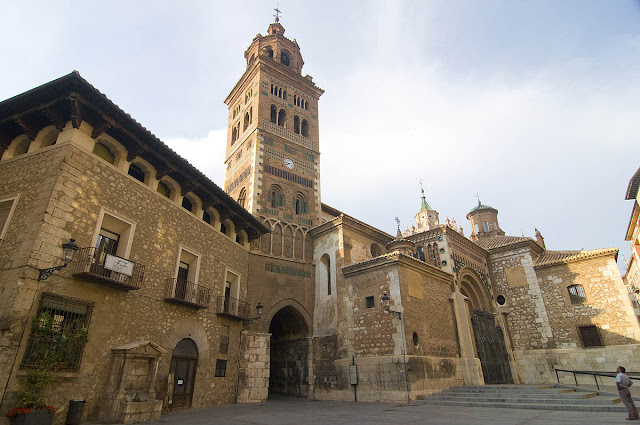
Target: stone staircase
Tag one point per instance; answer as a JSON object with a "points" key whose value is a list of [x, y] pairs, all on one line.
{"points": [[549, 397]]}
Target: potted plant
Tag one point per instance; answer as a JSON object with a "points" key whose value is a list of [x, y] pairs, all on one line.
{"points": [[48, 350]]}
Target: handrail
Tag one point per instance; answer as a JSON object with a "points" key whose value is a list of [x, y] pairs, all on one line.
{"points": [[594, 373]]}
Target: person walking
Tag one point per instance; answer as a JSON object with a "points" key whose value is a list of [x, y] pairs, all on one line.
{"points": [[623, 383]]}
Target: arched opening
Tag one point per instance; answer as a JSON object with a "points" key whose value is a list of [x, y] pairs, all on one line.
{"points": [[324, 273], [489, 339], [103, 151], [280, 92], [276, 240], [22, 146], [296, 124], [375, 250], [284, 94], [288, 242], [247, 121], [290, 349], [164, 190], [282, 117], [306, 105], [284, 59], [242, 197], [184, 362], [268, 51], [234, 135], [298, 248], [304, 128], [187, 204], [271, 88], [274, 114], [50, 138], [136, 172]]}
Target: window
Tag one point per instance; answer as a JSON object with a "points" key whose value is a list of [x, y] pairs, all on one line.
{"points": [[50, 138], [576, 294], [221, 368], [416, 339], [224, 339], [103, 151], [421, 253], [136, 172], [187, 266], [247, 121], [187, 204], [164, 190], [59, 328], [274, 114], [7, 207], [370, 302], [284, 59], [275, 198], [296, 124], [113, 236], [304, 128], [206, 217], [486, 226], [590, 336], [242, 197], [476, 228], [375, 250], [282, 117]]}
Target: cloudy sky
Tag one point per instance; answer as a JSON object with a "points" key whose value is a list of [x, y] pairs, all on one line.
{"points": [[533, 105]]}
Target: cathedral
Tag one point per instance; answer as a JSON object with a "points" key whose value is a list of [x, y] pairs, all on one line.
{"points": [[165, 291]]}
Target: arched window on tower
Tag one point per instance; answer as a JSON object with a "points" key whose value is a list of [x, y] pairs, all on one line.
{"points": [[242, 197], [306, 105], [282, 117], [247, 121], [268, 51], [274, 114], [296, 124], [284, 58], [305, 128], [280, 92], [275, 197], [271, 88], [295, 99], [284, 94], [234, 135]]}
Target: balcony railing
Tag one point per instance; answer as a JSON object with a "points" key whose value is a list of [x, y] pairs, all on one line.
{"points": [[187, 293], [107, 269], [294, 137], [232, 307]]}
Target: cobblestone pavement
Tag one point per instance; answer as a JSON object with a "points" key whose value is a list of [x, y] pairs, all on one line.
{"points": [[308, 412]]}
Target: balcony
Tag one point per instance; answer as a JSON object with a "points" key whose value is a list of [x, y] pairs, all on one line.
{"points": [[107, 269], [232, 307], [187, 293], [288, 134]]}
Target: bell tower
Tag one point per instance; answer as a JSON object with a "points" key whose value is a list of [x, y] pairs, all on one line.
{"points": [[272, 155]]}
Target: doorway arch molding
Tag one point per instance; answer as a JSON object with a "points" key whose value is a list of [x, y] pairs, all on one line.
{"points": [[287, 302]]}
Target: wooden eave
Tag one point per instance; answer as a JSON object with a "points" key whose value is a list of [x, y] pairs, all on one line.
{"points": [[72, 98]]}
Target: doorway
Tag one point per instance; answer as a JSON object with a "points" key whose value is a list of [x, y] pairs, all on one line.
{"points": [[184, 363]]}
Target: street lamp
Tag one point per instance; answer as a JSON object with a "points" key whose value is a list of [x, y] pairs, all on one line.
{"points": [[68, 251], [385, 303], [259, 308]]}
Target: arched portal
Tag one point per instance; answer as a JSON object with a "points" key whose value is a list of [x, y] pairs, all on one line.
{"points": [[290, 351], [184, 362], [489, 341]]}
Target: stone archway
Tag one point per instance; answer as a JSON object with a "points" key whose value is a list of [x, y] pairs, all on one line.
{"points": [[488, 338], [290, 353], [184, 362]]}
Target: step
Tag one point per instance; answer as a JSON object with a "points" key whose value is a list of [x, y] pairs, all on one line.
{"points": [[572, 407], [530, 400], [521, 391], [533, 394]]}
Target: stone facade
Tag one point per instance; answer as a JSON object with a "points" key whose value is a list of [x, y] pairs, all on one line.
{"points": [[171, 266]]}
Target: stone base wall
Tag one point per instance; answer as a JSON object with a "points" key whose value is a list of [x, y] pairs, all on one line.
{"points": [[537, 366], [253, 376]]}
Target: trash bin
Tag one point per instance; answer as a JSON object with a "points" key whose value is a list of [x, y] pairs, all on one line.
{"points": [[74, 415]]}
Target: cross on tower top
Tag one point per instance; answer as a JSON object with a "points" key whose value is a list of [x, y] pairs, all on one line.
{"points": [[478, 196], [277, 15]]}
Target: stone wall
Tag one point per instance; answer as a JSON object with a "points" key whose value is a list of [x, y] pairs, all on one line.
{"points": [[82, 185], [253, 376]]}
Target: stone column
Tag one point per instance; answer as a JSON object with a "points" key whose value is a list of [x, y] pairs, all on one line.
{"points": [[253, 372], [469, 363]]}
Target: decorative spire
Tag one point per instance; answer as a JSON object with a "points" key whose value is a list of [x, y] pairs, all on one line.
{"points": [[424, 205], [277, 15], [399, 233]]}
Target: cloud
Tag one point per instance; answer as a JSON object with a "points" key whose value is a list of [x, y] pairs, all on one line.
{"points": [[206, 153]]}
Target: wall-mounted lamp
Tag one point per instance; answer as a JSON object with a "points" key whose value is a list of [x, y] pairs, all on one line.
{"points": [[68, 251], [385, 303], [259, 307]]}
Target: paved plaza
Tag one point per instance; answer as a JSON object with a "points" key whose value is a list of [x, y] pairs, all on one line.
{"points": [[308, 412]]}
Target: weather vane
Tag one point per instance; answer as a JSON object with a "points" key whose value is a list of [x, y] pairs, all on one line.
{"points": [[398, 222], [421, 187], [277, 15], [478, 196]]}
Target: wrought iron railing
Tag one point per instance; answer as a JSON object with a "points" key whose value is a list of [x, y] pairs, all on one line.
{"points": [[187, 293], [64, 351], [595, 374], [294, 137], [97, 265], [232, 307]]}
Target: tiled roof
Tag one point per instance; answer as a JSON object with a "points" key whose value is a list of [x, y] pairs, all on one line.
{"points": [[558, 257], [480, 207], [634, 183], [500, 241]]}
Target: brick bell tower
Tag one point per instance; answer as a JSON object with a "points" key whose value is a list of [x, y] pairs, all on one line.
{"points": [[272, 158]]}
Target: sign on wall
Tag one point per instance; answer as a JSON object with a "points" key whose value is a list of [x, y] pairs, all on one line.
{"points": [[119, 265]]}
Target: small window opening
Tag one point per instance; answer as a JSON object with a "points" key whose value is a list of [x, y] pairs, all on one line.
{"points": [[164, 190], [136, 172], [305, 128], [416, 339], [101, 150], [187, 204], [206, 217], [370, 302]]}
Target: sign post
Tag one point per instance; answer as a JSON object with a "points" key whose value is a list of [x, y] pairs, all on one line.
{"points": [[353, 377]]}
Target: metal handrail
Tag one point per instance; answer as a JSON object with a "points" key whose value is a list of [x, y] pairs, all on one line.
{"points": [[593, 373]]}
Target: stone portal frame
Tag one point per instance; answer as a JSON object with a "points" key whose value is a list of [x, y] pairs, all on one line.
{"points": [[288, 302], [471, 287]]}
